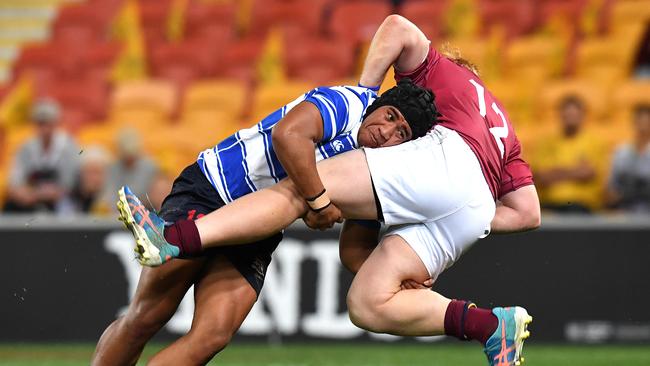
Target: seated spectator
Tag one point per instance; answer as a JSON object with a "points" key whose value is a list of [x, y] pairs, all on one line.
{"points": [[86, 195], [629, 182], [45, 166], [566, 164], [131, 168]]}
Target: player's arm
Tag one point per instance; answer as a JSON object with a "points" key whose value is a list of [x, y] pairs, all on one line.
{"points": [[293, 141], [398, 42], [517, 211]]}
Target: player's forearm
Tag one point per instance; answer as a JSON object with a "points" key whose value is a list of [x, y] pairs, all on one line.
{"points": [[517, 211], [507, 220], [397, 41], [296, 154]]}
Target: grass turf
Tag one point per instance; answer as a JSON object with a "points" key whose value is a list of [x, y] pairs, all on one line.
{"points": [[346, 355]]}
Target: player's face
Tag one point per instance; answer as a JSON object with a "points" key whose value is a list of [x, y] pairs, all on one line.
{"points": [[384, 127]]}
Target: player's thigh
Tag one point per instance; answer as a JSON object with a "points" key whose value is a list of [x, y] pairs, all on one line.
{"points": [[161, 289], [229, 286], [223, 298], [347, 180], [381, 275]]}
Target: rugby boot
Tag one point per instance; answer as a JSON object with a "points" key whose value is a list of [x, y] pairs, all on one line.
{"points": [[505, 345], [147, 227]]}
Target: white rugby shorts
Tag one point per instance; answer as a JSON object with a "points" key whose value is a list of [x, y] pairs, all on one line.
{"points": [[433, 194]]}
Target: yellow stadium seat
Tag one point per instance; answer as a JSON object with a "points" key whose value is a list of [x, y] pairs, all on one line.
{"points": [[517, 99], [103, 134], [593, 95], [216, 96], [630, 12], [632, 93], [210, 128], [534, 58], [268, 98], [143, 103], [605, 61], [16, 137]]}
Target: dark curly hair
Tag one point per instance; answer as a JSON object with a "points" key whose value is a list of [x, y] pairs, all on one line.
{"points": [[416, 104]]}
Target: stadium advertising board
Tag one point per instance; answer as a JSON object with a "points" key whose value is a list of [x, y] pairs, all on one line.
{"points": [[66, 283]]}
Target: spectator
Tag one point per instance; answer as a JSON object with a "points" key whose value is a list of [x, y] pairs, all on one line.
{"points": [[46, 165], [566, 165], [86, 195], [132, 167], [629, 182]]}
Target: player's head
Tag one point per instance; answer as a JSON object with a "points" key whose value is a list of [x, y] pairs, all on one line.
{"points": [[404, 112]]}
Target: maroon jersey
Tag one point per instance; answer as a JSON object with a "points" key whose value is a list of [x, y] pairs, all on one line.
{"points": [[468, 108]]}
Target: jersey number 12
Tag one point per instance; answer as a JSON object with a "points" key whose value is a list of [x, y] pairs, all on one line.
{"points": [[499, 132]]}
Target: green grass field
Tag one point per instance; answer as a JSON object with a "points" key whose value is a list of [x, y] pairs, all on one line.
{"points": [[347, 355]]}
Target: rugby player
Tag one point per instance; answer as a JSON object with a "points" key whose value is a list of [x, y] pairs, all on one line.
{"points": [[437, 194], [322, 123]]}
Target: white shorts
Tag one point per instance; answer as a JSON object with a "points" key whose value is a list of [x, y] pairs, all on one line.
{"points": [[433, 194]]}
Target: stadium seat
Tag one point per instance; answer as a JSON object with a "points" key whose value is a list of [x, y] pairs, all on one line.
{"points": [[357, 21], [428, 15], [80, 25], [153, 21], [269, 98], [98, 59], [43, 62], [630, 12], [215, 97], [82, 101], [517, 100], [99, 134], [184, 62], [535, 58], [318, 59], [303, 15], [240, 59], [210, 22], [605, 61], [515, 17], [566, 11], [143, 104]]}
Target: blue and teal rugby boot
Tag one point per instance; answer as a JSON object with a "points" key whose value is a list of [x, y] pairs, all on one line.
{"points": [[504, 347], [147, 228]]}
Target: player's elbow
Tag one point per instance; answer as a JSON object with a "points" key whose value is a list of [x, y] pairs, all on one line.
{"points": [[533, 219], [395, 23]]}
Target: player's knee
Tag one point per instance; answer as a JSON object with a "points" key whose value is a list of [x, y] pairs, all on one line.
{"points": [[363, 312], [143, 322], [208, 342]]}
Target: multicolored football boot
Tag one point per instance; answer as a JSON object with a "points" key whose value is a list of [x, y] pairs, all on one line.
{"points": [[504, 347], [147, 228]]}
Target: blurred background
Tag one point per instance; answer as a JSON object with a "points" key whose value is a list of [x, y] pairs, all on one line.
{"points": [[101, 93]]}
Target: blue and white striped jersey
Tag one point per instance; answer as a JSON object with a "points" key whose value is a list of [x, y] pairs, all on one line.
{"points": [[246, 161]]}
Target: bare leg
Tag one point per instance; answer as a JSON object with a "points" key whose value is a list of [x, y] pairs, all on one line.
{"points": [[223, 298], [160, 291], [377, 303], [262, 214]]}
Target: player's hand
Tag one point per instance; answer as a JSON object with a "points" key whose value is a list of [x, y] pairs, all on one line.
{"points": [[414, 285], [324, 219]]}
